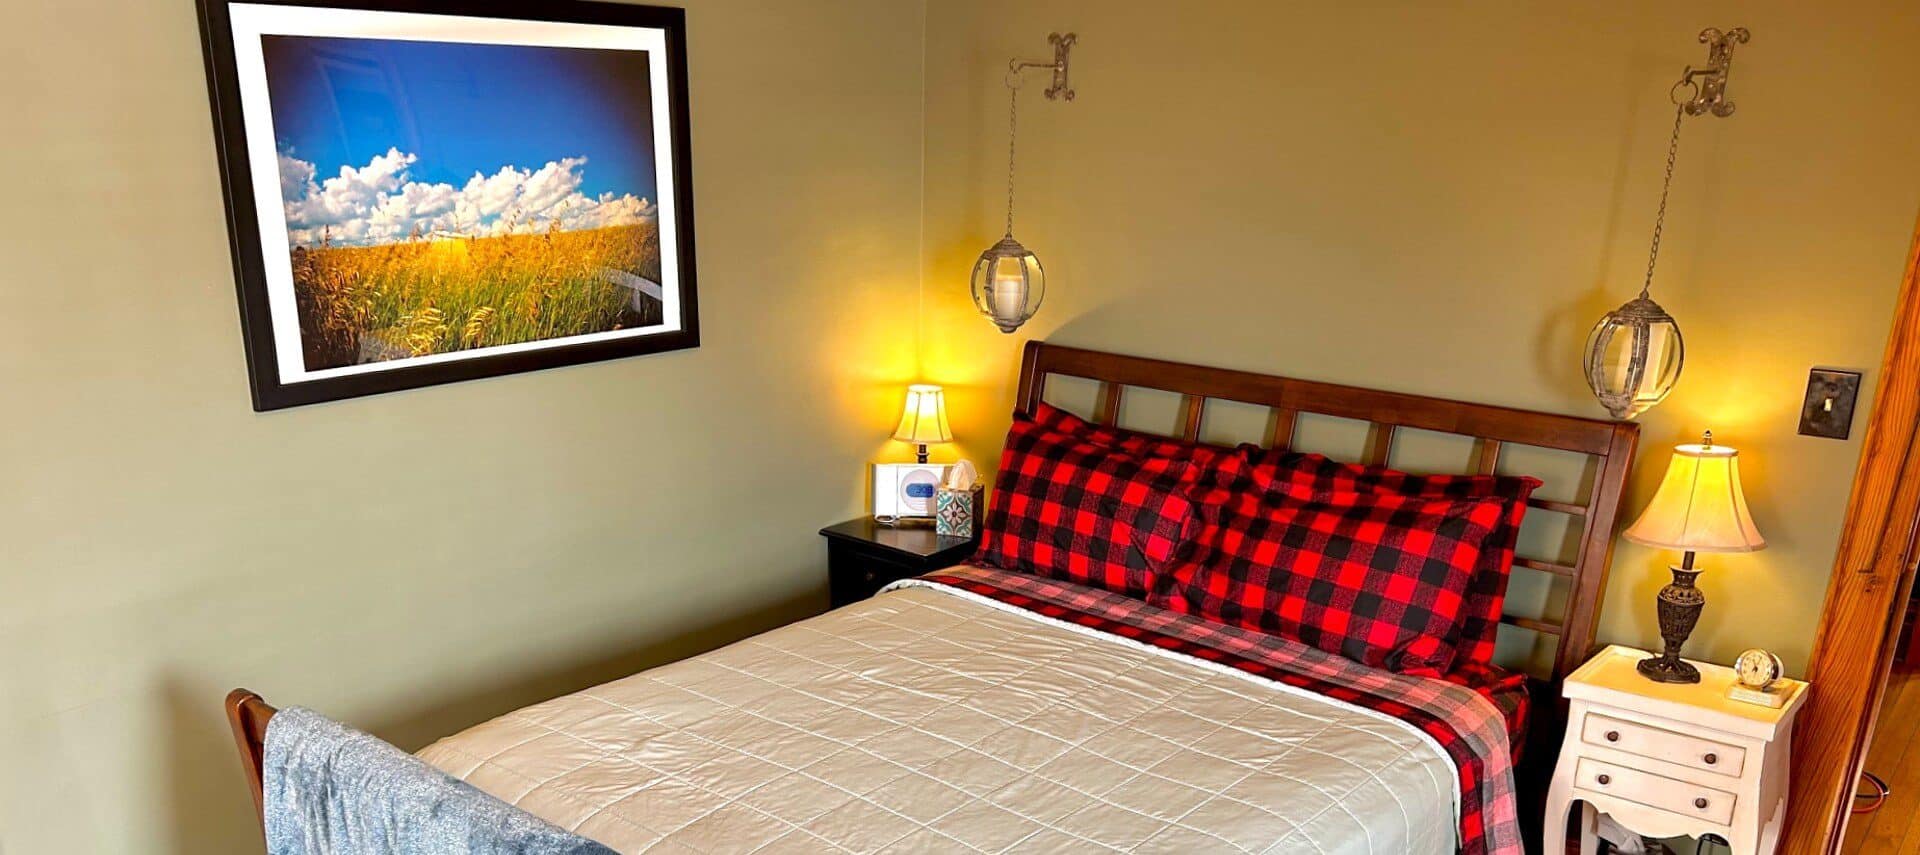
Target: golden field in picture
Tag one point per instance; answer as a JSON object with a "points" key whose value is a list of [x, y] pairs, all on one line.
{"points": [[442, 294]]}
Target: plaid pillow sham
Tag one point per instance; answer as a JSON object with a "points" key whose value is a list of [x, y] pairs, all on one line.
{"points": [[1067, 508], [1133, 442], [1379, 578], [1314, 476]]}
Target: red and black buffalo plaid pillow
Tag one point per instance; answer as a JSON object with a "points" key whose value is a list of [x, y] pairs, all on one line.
{"points": [[1313, 476], [1376, 577], [1071, 509], [1132, 442]]}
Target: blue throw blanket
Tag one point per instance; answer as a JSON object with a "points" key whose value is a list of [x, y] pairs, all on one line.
{"points": [[332, 790]]}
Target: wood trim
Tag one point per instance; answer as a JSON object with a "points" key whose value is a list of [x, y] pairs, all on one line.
{"points": [[1544, 566], [1386, 413], [1484, 421], [1489, 460], [1284, 421], [1196, 410], [1382, 449], [1033, 383], [1596, 549], [1541, 626], [1557, 507], [1108, 412], [248, 714], [1871, 581]]}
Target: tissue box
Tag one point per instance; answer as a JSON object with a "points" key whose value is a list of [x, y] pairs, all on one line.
{"points": [[956, 513]]}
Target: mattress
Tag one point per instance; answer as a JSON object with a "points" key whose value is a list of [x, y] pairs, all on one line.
{"points": [[935, 717]]}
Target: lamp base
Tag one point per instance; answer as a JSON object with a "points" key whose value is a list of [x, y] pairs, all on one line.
{"points": [[1678, 606], [1660, 670]]}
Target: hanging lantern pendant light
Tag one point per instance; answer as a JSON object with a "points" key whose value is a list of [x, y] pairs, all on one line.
{"points": [[1008, 284], [1635, 354]]}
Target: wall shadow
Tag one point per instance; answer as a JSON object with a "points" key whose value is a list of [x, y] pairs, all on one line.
{"points": [[433, 717]]}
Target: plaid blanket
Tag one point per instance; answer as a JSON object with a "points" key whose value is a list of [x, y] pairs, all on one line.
{"points": [[1474, 716]]}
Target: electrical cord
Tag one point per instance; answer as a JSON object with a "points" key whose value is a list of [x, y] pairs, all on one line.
{"points": [[1873, 800]]}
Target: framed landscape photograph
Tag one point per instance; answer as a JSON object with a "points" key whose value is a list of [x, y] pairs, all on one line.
{"points": [[419, 193]]}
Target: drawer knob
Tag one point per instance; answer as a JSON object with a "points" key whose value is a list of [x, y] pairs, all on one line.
{"points": [[1604, 779], [1700, 803], [1613, 736], [1711, 759]]}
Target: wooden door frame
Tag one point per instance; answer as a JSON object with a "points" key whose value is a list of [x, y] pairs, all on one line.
{"points": [[1866, 595]]}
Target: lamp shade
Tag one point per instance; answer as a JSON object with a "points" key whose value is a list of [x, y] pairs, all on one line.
{"points": [[925, 418], [1699, 506]]}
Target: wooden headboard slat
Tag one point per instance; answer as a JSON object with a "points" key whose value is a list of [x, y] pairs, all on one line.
{"points": [[1283, 423], [1567, 508], [1545, 566], [1109, 410], [1546, 626], [1493, 427], [1382, 449], [1489, 457], [1195, 409]]}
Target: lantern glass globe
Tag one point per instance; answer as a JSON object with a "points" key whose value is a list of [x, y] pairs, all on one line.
{"points": [[1008, 284], [1634, 357]]}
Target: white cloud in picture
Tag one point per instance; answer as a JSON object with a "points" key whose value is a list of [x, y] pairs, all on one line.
{"points": [[378, 203]]}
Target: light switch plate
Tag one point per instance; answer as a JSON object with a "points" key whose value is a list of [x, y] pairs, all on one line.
{"points": [[1828, 409]]}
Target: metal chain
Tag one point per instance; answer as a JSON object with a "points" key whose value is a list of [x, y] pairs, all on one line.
{"points": [[1013, 115], [1660, 218]]}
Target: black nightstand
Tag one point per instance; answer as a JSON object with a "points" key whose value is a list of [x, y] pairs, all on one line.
{"points": [[863, 556]]}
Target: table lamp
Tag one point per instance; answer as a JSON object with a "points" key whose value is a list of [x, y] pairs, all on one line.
{"points": [[1699, 507], [925, 419]]}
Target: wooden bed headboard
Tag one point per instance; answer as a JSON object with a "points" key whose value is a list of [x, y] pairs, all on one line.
{"points": [[1492, 428]]}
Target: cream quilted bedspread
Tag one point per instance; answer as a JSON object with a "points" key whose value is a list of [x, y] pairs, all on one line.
{"points": [[927, 720]]}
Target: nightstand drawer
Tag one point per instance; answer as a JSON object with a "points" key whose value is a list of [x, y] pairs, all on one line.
{"points": [[864, 556], [1715, 806], [1667, 745]]}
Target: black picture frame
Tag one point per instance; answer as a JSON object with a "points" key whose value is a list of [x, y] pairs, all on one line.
{"points": [[269, 390]]}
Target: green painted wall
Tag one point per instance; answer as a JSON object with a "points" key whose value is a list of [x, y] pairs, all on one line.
{"points": [[1433, 198], [1443, 198], [420, 561]]}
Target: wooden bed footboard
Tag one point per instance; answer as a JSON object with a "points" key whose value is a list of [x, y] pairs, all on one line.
{"points": [[248, 714]]}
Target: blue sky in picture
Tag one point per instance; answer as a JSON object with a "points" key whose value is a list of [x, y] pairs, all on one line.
{"points": [[382, 139]]}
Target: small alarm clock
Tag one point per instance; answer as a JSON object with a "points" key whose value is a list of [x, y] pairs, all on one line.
{"points": [[1756, 674], [905, 491]]}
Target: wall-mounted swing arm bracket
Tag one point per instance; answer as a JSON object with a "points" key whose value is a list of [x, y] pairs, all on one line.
{"points": [[1062, 44], [1709, 84]]}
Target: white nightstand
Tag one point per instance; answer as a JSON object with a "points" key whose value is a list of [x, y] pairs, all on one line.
{"points": [[1667, 759]]}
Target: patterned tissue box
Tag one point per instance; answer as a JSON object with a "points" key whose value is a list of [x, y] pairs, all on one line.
{"points": [[955, 512]]}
